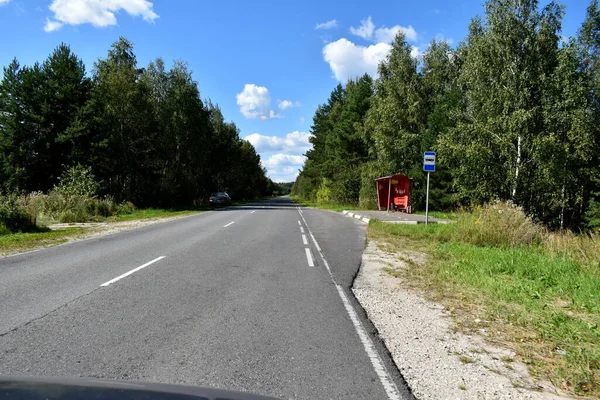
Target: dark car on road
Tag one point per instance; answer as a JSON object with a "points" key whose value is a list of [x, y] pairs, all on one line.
{"points": [[219, 199]]}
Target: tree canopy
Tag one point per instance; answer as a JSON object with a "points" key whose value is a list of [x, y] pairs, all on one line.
{"points": [[512, 112], [146, 133]]}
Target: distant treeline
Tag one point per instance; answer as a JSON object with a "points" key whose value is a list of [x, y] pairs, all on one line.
{"points": [[146, 134], [513, 112]]}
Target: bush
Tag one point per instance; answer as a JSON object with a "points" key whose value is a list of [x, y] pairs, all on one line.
{"points": [[77, 181], [498, 224], [13, 214], [324, 192], [4, 230], [126, 208], [79, 208]]}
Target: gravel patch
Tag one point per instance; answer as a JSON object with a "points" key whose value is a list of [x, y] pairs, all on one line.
{"points": [[437, 361]]}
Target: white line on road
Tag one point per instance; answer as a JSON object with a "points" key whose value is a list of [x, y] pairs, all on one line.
{"points": [[309, 258], [378, 366], [304, 240], [302, 229], [299, 223], [252, 212], [118, 278], [229, 224]]}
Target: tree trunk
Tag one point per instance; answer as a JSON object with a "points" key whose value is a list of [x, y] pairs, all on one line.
{"points": [[517, 166]]}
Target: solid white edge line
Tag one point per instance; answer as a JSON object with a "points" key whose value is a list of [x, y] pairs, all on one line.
{"points": [[304, 240], [309, 258], [301, 230], [385, 379], [118, 278], [229, 224]]}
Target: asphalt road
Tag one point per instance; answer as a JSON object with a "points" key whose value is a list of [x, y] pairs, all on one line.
{"points": [[225, 299]]}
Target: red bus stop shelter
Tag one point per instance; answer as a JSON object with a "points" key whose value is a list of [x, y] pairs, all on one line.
{"points": [[394, 192]]}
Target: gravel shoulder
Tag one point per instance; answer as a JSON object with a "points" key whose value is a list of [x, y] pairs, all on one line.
{"points": [[437, 361]]}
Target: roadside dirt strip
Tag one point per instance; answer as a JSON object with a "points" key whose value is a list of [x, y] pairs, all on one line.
{"points": [[437, 361]]}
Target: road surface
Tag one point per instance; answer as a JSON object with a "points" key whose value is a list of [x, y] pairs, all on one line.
{"points": [[253, 298]]}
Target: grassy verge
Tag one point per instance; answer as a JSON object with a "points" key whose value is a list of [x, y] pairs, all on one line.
{"points": [[533, 291], [22, 242], [439, 214]]}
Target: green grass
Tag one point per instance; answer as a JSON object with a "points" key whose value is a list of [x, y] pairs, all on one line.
{"points": [[21, 242], [540, 291], [440, 214]]}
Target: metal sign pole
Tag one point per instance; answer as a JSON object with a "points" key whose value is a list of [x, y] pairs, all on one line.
{"points": [[427, 202]]}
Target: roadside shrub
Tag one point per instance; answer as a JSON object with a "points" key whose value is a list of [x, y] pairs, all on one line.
{"points": [[126, 208], [77, 181], [13, 214], [4, 230], [498, 224], [324, 192], [34, 204], [78, 208]]}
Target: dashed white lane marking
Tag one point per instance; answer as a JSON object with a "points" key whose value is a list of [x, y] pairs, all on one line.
{"points": [[229, 224], [301, 229], [309, 258], [378, 366], [299, 223], [304, 240], [118, 278], [252, 212]]}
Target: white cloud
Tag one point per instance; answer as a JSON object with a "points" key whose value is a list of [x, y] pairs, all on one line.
{"points": [[3, 2], [282, 156], [278, 160], [283, 167], [365, 30], [285, 104], [387, 35], [415, 52], [95, 12], [52, 26], [327, 25], [255, 102], [295, 143], [348, 60]]}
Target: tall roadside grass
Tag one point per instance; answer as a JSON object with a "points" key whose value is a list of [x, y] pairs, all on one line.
{"points": [[535, 290]]}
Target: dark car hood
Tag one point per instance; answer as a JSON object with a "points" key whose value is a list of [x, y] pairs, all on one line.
{"points": [[83, 389]]}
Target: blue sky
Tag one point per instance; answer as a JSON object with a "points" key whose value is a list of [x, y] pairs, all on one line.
{"points": [[268, 64]]}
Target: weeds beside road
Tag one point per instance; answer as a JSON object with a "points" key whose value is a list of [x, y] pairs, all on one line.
{"points": [[532, 290]]}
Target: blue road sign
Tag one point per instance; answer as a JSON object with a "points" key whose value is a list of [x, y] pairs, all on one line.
{"points": [[429, 161]]}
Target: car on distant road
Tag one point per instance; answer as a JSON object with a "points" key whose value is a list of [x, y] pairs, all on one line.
{"points": [[219, 199]]}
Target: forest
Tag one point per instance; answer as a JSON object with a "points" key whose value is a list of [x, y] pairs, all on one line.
{"points": [[512, 112], [139, 135]]}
